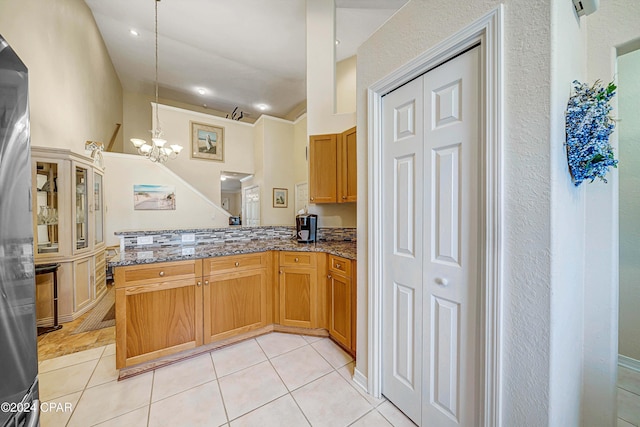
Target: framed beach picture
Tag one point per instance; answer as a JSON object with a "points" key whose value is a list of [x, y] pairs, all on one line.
{"points": [[154, 197], [280, 197], [207, 142]]}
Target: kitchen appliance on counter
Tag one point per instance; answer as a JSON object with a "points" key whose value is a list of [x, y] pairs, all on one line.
{"points": [[18, 342], [306, 227]]}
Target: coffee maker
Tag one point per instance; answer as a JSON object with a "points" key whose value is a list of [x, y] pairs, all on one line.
{"points": [[306, 226]]}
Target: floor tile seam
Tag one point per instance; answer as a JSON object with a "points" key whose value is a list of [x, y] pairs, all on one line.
{"points": [[364, 415], [277, 355], [224, 405], [85, 384], [67, 366], [289, 351], [179, 392], [624, 419], [629, 391], [329, 362], [230, 420], [353, 384], [240, 370]]}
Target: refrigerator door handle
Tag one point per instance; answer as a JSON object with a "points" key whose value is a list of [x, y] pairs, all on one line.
{"points": [[34, 416]]}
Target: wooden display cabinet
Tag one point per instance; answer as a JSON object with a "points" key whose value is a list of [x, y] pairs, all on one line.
{"points": [[68, 224]]}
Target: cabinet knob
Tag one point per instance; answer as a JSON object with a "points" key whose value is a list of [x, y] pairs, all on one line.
{"points": [[311, 199], [206, 283], [280, 271], [338, 266], [441, 281], [329, 276], [199, 283], [237, 264], [296, 260], [161, 274], [344, 197]]}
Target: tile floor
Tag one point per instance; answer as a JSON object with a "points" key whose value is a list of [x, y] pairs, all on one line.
{"points": [[628, 397], [273, 380], [63, 341]]}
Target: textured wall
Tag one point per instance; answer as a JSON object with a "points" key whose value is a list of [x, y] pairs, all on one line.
{"points": [[527, 160], [74, 92]]}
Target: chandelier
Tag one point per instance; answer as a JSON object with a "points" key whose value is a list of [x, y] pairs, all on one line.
{"points": [[156, 151]]}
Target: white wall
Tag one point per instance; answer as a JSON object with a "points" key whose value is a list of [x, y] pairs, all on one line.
{"points": [[321, 100], [122, 171], [629, 167], [235, 202], [204, 175], [74, 92], [346, 85], [614, 24], [568, 63]]}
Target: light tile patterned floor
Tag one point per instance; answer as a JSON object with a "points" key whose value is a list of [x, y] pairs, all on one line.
{"points": [[274, 380], [628, 397]]}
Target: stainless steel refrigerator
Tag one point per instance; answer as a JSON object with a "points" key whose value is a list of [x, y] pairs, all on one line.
{"points": [[19, 404]]}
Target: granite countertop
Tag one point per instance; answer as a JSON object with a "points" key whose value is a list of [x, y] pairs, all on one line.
{"points": [[143, 255]]}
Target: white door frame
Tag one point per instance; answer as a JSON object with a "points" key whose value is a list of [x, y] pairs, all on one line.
{"points": [[488, 31]]}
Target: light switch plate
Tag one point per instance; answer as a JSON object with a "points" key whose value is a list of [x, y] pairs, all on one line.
{"points": [[145, 255], [145, 240], [188, 238]]}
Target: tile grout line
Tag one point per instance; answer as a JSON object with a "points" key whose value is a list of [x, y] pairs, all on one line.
{"points": [[215, 372], [85, 386]]}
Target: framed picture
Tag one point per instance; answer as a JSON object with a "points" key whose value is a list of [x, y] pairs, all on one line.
{"points": [[207, 142], [280, 198], [154, 197]]}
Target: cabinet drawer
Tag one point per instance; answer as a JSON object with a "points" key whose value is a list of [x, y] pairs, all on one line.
{"points": [[340, 265], [297, 259], [153, 273], [225, 264]]}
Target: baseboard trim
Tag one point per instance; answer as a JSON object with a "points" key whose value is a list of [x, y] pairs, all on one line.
{"points": [[629, 363], [361, 380]]}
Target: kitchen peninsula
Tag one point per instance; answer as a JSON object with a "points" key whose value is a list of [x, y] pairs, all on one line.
{"points": [[183, 292]]}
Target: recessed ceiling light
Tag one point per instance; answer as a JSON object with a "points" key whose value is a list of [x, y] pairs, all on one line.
{"points": [[337, 42], [262, 107], [134, 32], [202, 91]]}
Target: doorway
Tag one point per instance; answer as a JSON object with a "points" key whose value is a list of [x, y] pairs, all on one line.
{"points": [[485, 33], [629, 222]]}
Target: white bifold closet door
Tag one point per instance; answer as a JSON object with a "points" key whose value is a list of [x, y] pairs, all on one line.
{"points": [[431, 137]]}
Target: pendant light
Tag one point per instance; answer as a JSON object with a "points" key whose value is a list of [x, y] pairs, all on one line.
{"points": [[156, 151]]}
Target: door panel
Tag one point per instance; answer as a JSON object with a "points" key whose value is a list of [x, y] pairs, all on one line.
{"points": [[430, 244], [402, 280], [450, 274]]}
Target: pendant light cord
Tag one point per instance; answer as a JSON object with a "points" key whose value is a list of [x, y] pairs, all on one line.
{"points": [[157, 132]]}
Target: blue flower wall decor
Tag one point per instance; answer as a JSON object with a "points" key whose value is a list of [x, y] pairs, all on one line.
{"points": [[588, 129]]}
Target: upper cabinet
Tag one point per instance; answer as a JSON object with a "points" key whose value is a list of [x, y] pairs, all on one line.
{"points": [[332, 168]]}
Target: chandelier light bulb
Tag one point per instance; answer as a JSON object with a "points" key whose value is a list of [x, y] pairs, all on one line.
{"points": [[176, 148], [138, 142], [146, 148], [159, 142]]}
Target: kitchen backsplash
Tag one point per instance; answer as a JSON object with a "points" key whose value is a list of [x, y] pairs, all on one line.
{"points": [[166, 238]]}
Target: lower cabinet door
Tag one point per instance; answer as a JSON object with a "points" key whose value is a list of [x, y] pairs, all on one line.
{"points": [[82, 283], [234, 303], [155, 320], [298, 290], [340, 309]]}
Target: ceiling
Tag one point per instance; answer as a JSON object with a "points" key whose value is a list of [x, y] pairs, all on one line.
{"points": [[241, 53]]}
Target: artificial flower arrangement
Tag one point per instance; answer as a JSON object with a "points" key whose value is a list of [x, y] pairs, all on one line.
{"points": [[588, 127]]}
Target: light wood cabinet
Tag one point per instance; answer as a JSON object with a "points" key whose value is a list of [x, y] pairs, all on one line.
{"points": [[166, 308], [68, 224], [341, 288], [347, 167], [159, 310], [235, 295], [298, 289], [333, 168], [323, 161]]}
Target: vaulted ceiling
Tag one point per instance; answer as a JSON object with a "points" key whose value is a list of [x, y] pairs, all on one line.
{"points": [[240, 53]]}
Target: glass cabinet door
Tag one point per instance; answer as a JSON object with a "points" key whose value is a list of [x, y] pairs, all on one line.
{"points": [[47, 234], [98, 208], [82, 205]]}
